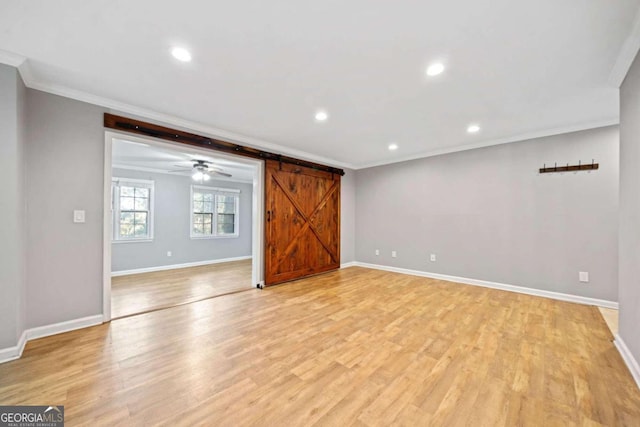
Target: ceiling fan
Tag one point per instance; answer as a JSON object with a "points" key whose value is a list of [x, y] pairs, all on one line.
{"points": [[203, 170]]}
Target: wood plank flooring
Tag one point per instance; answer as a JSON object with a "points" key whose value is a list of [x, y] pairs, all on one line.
{"points": [[353, 347], [610, 316], [139, 293]]}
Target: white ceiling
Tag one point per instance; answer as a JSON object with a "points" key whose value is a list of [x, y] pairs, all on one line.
{"points": [[139, 156], [261, 69]]}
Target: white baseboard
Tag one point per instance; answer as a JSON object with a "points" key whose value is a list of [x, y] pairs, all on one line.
{"points": [[494, 285], [15, 352], [176, 266], [628, 358], [349, 264], [58, 328], [12, 353]]}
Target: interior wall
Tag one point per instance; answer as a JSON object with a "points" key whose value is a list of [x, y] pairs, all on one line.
{"points": [[629, 251], [65, 154], [22, 208], [503, 221], [12, 207], [171, 218], [487, 214], [347, 216]]}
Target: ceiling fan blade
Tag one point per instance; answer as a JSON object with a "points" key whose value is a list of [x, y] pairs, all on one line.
{"points": [[216, 173], [179, 170]]}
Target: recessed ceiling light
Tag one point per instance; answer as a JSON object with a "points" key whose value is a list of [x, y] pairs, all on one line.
{"points": [[321, 116], [181, 54], [435, 69], [393, 147], [473, 129]]}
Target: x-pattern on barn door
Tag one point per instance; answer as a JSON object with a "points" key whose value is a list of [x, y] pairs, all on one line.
{"points": [[302, 222]]}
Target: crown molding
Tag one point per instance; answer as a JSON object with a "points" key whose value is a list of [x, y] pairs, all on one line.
{"points": [[627, 54], [22, 64], [166, 119], [621, 67], [489, 143], [12, 59]]}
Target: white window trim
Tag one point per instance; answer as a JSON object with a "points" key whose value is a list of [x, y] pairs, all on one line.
{"points": [[214, 225], [115, 209]]}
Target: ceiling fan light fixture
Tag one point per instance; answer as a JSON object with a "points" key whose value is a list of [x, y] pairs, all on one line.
{"points": [[202, 170]]}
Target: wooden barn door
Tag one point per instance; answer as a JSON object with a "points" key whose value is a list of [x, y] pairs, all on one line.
{"points": [[302, 222]]}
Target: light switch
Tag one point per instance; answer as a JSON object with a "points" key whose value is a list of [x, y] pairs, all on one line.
{"points": [[79, 217]]}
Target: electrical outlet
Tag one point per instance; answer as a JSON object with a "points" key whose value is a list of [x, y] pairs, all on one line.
{"points": [[377, 251], [394, 254], [583, 276], [169, 253], [79, 217], [432, 257]]}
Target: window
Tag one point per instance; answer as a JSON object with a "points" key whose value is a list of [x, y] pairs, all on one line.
{"points": [[132, 209], [214, 212]]}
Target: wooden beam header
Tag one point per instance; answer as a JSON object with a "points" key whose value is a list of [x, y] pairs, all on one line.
{"points": [[149, 129]]}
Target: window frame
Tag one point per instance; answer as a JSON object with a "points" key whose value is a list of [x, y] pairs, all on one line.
{"points": [[216, 191], [116, 183]]}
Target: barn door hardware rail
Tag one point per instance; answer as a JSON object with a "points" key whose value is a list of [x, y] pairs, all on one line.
{"points": [[570, 168], [149, 129]]}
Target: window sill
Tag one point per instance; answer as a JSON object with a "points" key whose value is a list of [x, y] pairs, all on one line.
{"points": [[235, 236], [132, 241]]}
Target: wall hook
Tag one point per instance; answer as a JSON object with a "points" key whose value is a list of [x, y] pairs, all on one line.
{"points": [[568, 167]]}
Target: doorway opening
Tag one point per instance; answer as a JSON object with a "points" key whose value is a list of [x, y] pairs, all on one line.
{"points": [[181, 224]]}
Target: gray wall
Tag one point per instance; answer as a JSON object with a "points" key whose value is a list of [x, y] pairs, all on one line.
{"points": [[171, 226], [65, 154], [12, 207], [629, 250], [348, 217], [65, 157], [487, 214]]}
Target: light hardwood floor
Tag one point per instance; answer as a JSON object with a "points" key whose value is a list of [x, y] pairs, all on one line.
{"points": [[139, 293], [353, 347], [610, 316]]}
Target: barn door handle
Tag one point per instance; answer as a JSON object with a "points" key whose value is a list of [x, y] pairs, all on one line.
{"points": [[268, 216]]}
